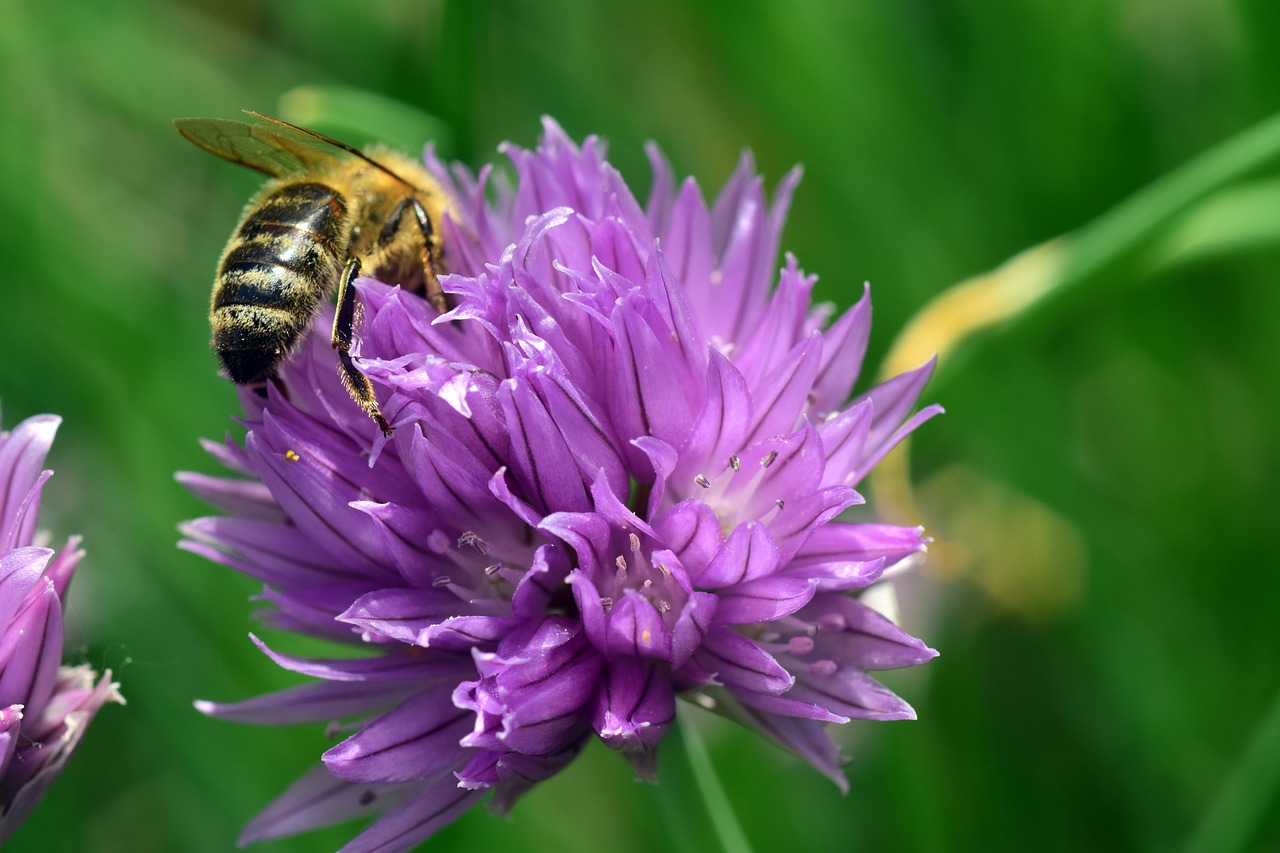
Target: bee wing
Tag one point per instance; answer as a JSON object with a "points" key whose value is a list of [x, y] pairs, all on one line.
{"points": [[270, 145], [311, 147], [244, 144]]}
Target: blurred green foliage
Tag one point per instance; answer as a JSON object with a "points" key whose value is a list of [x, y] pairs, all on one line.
{"points": [[1106, 701]]}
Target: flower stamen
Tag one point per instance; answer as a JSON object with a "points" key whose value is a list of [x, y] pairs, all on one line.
{"points": [[470, 537]]}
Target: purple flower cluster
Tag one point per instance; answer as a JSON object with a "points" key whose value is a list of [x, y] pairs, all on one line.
{"points": [[45, 708], [616, 475]]}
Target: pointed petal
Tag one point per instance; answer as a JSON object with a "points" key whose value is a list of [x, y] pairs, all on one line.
{"points": [[691, 530], [635, 629], [764, 600], [417, 739], [748, 553], [31, 650], [416, 668], [434, 806], [843, 347], [542, 466], [311, 703], [850, 693], [22, 454], [806, 738], [20, 571], [403, 614], [895, 397], [318, 799], [634, 706], [466, 632], [852, 633], [738, 662], [844, 439], [245, 498], [782, 398], [692, 626], [860, 542]]}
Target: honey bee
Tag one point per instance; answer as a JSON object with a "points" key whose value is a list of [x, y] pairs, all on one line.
{"points": [[327, 212]]}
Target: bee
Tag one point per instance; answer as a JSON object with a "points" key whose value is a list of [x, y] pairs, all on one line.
{"points": [[327, 212]]}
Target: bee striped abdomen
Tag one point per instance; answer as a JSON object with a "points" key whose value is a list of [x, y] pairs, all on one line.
{"points": [[286, 254]]}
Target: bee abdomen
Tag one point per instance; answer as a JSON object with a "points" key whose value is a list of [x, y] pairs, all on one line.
{"points": [[286, 252], [283, 258], [257, 274]]}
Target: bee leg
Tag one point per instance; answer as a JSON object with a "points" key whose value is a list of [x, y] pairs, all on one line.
{"points": [[356, 383], [435, 294]]}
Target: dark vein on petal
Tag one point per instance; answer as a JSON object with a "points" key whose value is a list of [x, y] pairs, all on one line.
{"points": [[445, 806], [529, 454], [456, 718]]}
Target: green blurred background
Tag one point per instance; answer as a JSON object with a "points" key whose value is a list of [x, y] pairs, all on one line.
{"points": [[1104, 587]]}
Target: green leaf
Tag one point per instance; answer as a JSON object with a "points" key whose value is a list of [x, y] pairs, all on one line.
{"points": [[1053, 278], [1249, 794], [1234, 220]]}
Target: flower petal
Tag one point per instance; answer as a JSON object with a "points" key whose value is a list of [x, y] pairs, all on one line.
{"points": [[318, 799], [738, 662], [310, 703], [692, 530], [31, 650], [843, 347], [748, 553], [764, 600], [22, 454], [417, 739], [20, 571], [635, 629], [854, 634], [432, 807], [407, 615], [634, 706]]}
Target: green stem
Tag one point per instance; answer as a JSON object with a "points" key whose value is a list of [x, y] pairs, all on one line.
{"points": [[732, 838], [1248, 796], [1069, 267], [1137, 219]]}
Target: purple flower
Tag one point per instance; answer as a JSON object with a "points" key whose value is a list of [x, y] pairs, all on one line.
{"points": [[616, 475], [44, 708]]}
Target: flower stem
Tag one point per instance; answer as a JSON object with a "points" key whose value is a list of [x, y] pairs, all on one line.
{"points": [[1249, 794], [729, 831], [1081, 260], [1030, 283]]}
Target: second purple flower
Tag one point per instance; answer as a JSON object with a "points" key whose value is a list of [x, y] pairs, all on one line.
{"points": [[45, 707], [616, 477]]}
